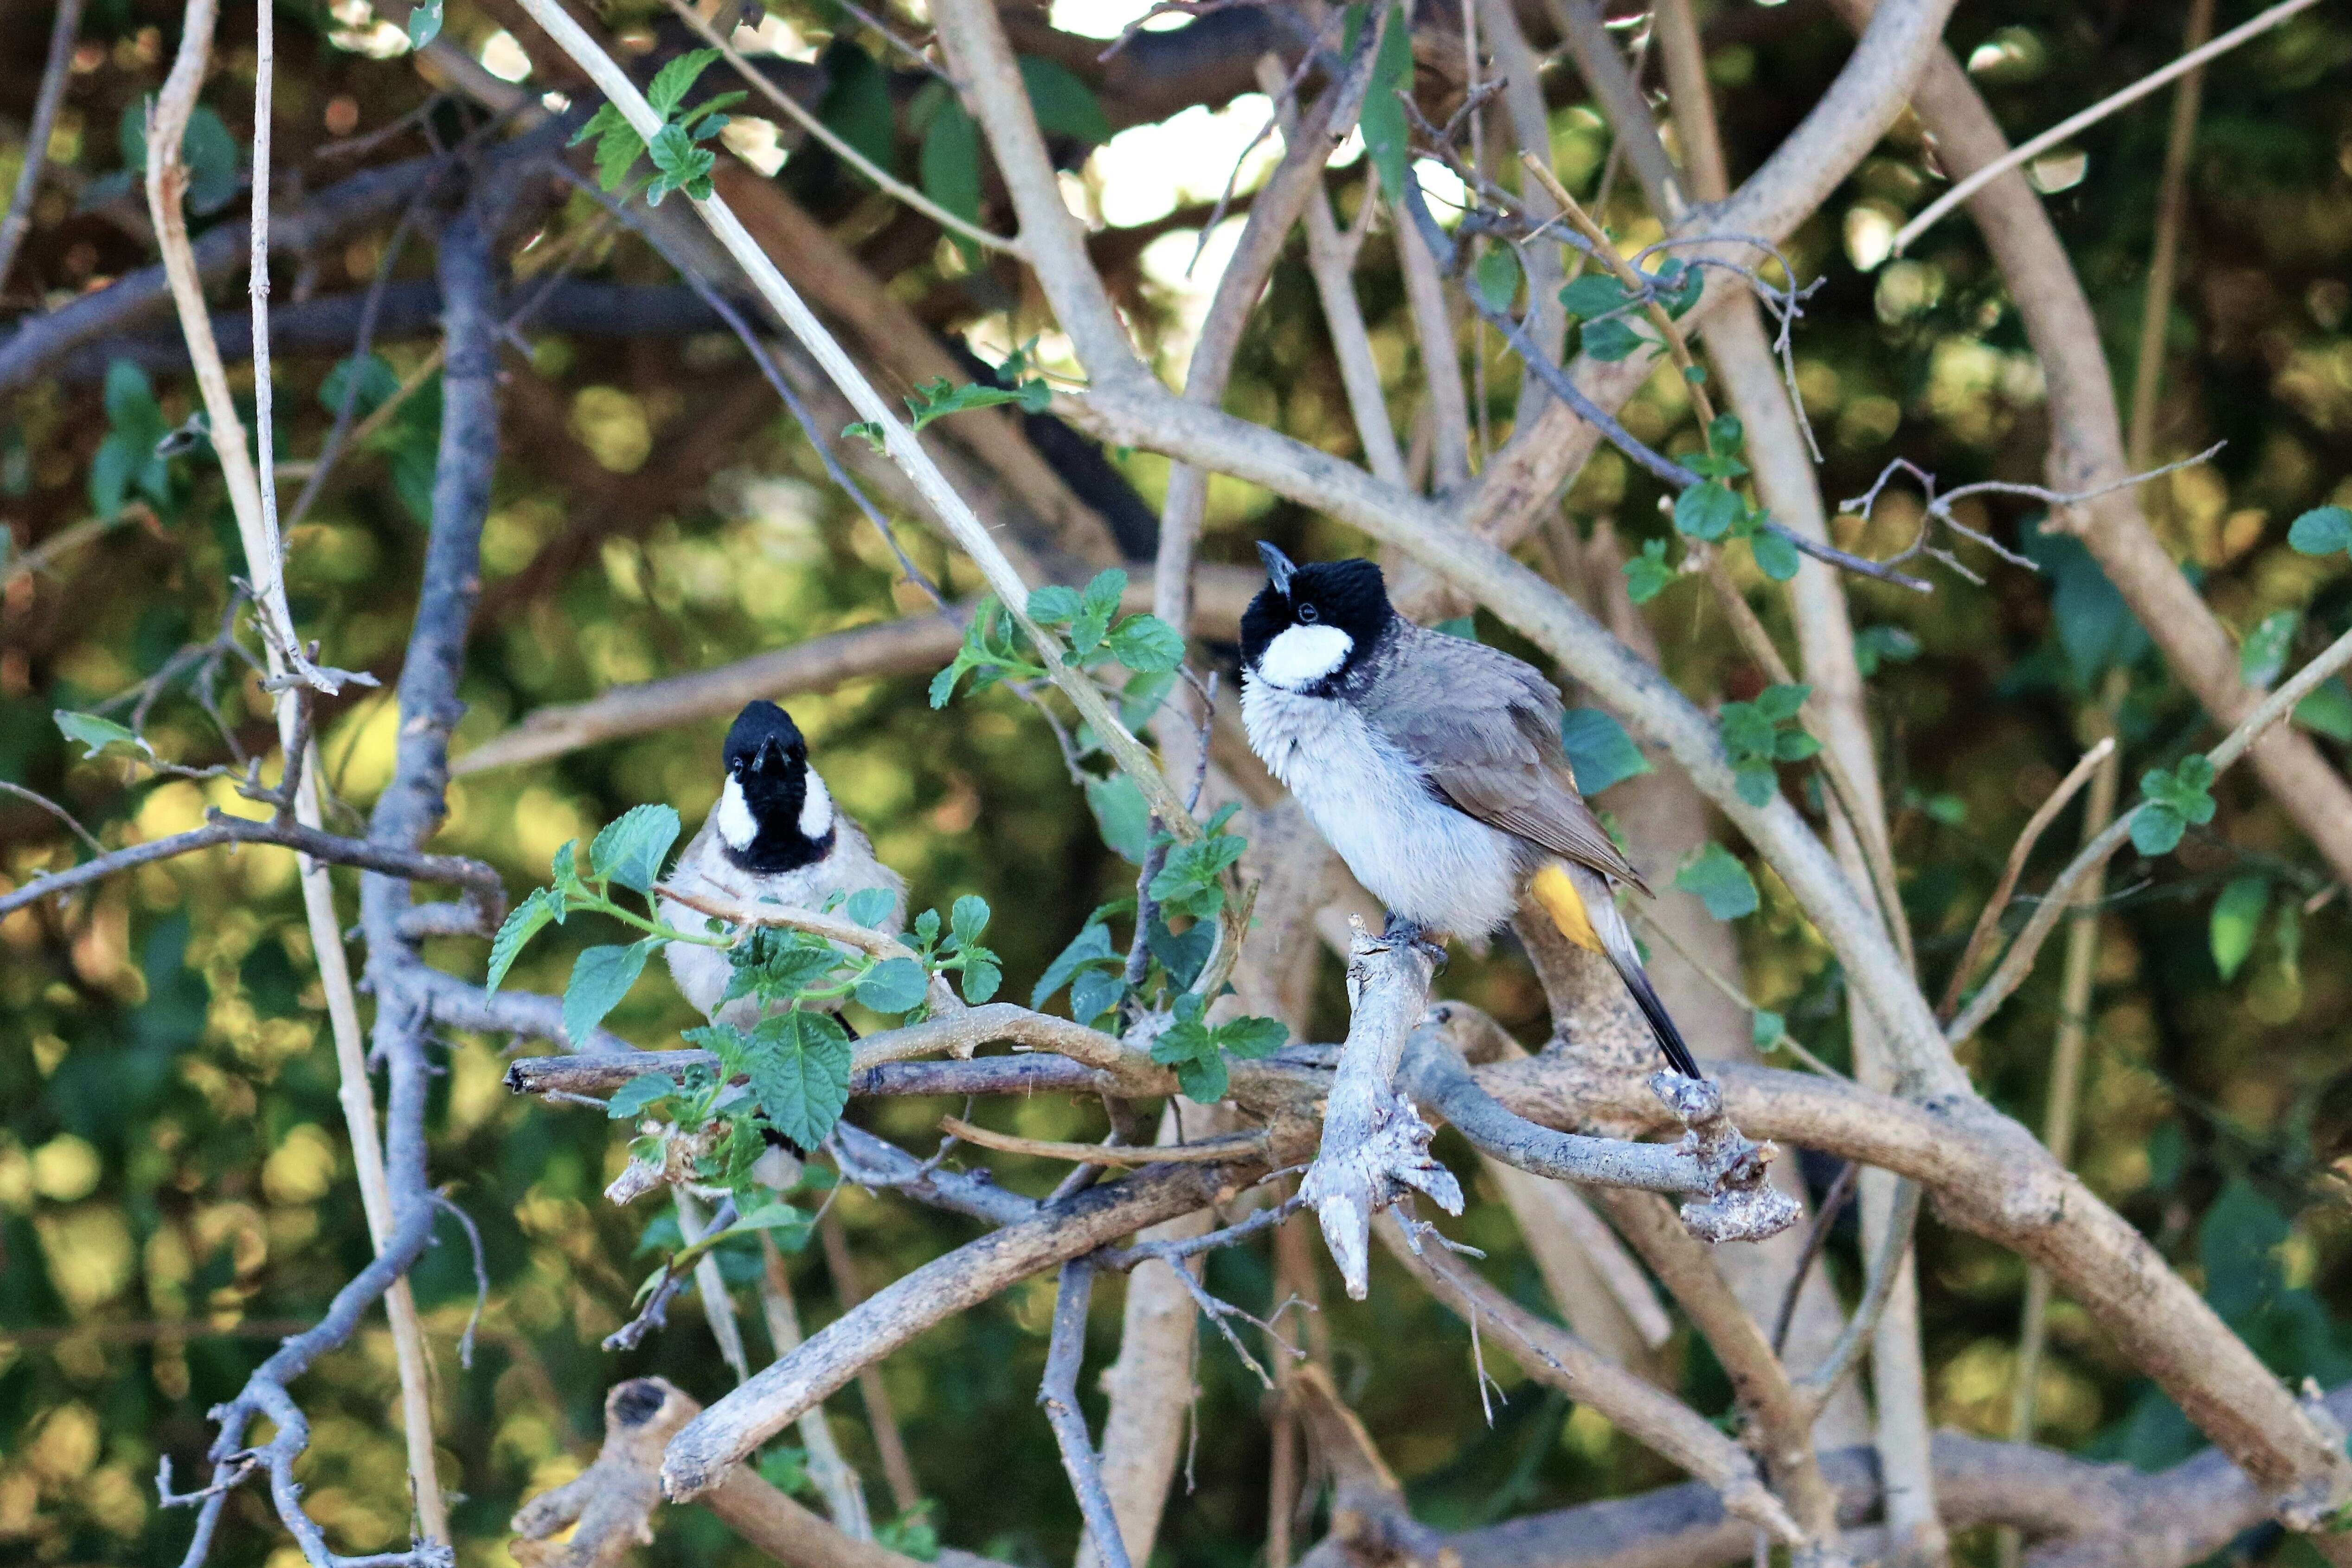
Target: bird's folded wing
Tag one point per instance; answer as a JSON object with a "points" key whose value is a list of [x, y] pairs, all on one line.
{"points": [[1484, 728]]}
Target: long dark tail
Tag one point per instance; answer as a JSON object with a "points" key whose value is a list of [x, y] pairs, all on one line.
{"points": [[1662, 1023]]}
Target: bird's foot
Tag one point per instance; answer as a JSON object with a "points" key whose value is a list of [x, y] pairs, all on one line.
{"points": [[1402, 932]]}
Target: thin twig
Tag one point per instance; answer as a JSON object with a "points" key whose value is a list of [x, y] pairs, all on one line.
{"points": [[2036, 146], [1065, 1353], [1817, 1238], [1988, 924], [1216, 1151], [1822, 1382], [63, 27], [53, 809]]}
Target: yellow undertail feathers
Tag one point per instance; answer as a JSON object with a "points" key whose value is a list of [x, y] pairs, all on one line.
{"points": [[1555, 889]]}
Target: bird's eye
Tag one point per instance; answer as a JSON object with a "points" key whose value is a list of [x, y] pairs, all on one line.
{"points": [[1308, 614]]}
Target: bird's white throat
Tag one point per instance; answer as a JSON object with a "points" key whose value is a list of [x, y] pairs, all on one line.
{"points": [[1302, 655], [738, 826], [736, 822], [816, 810]]}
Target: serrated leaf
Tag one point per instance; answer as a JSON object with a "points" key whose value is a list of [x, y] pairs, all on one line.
{"points": [[2237, 921], [1716, 878], [1146, 644], [1708, 510], [632, 1098], [798, 1064], [1182, 956], [96, 735], [2323, 531], [1600, 753], [1204, 1079], [2263, 653], [981, 976], [1251, 1038], [600, 977], [1054, 605], [673, 82], [1783, 702], [632, 847], [525, 920], [893, 985], [616, 152]]}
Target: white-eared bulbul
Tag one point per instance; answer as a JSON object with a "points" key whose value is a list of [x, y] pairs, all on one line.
{"points": [[775, 836], [1433, 765]]}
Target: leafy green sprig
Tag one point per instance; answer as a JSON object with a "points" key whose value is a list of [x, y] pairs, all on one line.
{"points": [[1762, 735], [680, 160], [995, 648]]}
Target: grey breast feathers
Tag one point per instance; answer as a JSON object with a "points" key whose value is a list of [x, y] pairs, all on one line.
{"points": [[1484, 728]]}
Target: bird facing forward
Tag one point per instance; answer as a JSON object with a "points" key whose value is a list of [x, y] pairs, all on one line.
{"points": [[773, 835], [1433, 765]]}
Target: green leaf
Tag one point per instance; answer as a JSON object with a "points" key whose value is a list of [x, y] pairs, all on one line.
{"points": [[1767, 1028], [211, 154], [968, 918], [423, 24], [131, 405], [1064, 104], [2177, 798], [1122, 816], [600, 977], [1757, 784], [1143, 696], [1708, 510], [1593, 295], [1600, 753], [1781, 703], [893, 985], [616, 152], [775, 1214], [1612, 339], [1096, 992], [1054, 605], [96, 735], [1091, 946], [785, 1467], [2094, 626], [798, 1063], [631, 847], [1497, 278], [2263, 653], [871, 907], [563, 874], [1382, 118], [674, 80], [1252, 1038], [937, 397], [1874, 646], [1648, 573], [2323, 531], [2327, 710], [1775, 556], [774, 966], [1146, 644], [1182, 954], [525, 920], [111, 472], [2237, 920], [681, 165], [378, 384], [1096, 612], [1187, 883], [948, 162], [632, 1098], [1680, 285], [1726, 436], [856, 104], [2157, 830], [1716, 878], [983, 974]]}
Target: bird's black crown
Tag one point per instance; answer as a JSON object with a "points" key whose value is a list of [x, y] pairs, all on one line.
{"points": [[1350, 596], [763, 737]]}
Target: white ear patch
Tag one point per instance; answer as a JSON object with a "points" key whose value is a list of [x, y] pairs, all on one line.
{"points": [[735, 821], [816, 809], [1304, 654]]}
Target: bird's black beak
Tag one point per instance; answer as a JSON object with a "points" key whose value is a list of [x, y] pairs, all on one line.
{"points": [[770, 755], [1279, 567]]}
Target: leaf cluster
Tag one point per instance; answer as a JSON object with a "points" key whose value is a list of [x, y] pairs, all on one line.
{"points": [[1760, 734]]}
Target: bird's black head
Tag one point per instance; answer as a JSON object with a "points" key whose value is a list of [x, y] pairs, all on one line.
{"points": [[774, 815], [1311, 624]]}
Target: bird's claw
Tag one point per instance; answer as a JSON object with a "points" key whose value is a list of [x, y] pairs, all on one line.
{"points": [[1402, 932]]}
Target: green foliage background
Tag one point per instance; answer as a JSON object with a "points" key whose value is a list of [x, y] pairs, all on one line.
{"points": [[175, 1189]]}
